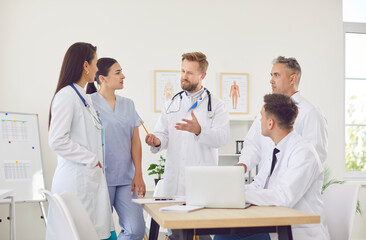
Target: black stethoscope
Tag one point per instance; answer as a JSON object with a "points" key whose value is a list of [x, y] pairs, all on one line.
{"points": [[96, 120], [209, 109]]}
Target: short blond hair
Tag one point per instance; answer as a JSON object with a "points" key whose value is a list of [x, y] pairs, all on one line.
{"points": [[197, 57]]}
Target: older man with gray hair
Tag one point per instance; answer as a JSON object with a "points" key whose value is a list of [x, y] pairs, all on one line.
{"points": [[310, 123]]}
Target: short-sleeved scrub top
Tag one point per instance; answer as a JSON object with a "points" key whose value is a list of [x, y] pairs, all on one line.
{"points": [[118, 129]]}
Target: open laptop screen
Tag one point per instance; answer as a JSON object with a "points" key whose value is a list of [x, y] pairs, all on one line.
{"points": [[215, 186]]}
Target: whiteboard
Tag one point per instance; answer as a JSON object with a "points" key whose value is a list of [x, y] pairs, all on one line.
{"points": [[20, 156]]}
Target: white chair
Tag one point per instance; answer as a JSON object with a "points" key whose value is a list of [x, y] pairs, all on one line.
{"points": [[73, 211], [158, 192], [159, 189], [84, 225], [340, 201], [63, 225]]}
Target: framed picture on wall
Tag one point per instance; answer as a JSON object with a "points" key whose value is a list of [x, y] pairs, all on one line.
{"points": [[234, 92], [166, 85]]}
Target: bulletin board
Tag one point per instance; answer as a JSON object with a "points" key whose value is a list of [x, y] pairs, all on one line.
{"points": [[21, 166]]}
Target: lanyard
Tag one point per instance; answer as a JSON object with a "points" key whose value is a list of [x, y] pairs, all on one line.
{"points": [[103, 146]]}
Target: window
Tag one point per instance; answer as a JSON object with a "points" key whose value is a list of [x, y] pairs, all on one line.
{"points": [[354, 11], [355, 87]]}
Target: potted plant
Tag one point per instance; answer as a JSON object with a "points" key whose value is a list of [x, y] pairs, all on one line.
{"points": [[157, 169]]}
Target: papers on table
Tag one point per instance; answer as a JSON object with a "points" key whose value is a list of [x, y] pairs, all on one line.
{"points": [[158, 200], [180, 208]]}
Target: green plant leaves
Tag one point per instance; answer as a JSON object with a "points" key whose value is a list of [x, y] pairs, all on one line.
{"points": [[158, 168]]}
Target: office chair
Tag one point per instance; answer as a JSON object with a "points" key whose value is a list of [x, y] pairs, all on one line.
{"points": [[71, 216], [340, 201]]}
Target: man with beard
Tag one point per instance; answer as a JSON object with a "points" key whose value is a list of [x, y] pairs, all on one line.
{"points": [[192, 126]]}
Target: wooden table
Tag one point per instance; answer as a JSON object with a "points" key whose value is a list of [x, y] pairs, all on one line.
{"points": [[255, 219], [9, 194]]}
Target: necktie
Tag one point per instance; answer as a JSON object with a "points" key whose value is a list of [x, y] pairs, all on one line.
{"points": [[274, 159]]}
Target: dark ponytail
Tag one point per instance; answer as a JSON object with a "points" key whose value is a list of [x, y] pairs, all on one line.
{"points": [[104, 65], [90, 88]]}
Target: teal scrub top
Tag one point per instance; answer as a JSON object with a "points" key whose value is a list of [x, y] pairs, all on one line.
{"points": [[118, 129]]}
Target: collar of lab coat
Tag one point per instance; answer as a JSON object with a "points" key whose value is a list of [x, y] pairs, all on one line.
{"points": [[282, 145], [296, 97], [79, 88], [83, 94]]}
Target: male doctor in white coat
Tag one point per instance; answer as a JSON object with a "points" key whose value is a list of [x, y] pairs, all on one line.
{"points": [[291, 175], [192, 126], [310, 123]]}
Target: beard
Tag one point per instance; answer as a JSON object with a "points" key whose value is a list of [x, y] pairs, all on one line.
{"points": [[189, 86]]}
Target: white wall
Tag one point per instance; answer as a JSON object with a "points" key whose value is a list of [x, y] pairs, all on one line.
{"points": [[236, 35]]}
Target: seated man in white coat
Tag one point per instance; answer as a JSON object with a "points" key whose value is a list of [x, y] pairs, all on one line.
{"points": [[291, 175], [310, 123]]}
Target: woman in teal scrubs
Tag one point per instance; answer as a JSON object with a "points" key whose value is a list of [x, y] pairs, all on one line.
{"points": [[122, 147]]}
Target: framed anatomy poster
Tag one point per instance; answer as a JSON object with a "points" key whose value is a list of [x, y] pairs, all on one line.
{"points": [[234, 92], [166, 85]]}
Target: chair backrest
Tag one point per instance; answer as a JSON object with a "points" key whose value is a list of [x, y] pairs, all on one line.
{"points": [[159, 189], [340, 201], [158, 192], [63, 224], [79, 215]]}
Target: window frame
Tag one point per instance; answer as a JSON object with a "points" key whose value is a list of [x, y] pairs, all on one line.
{"points": [[358, 28]]}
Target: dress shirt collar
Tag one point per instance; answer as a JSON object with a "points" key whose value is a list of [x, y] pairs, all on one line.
{"points": [[195, 96]]}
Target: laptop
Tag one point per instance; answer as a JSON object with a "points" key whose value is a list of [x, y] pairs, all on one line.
{"points": [[215, 186]]}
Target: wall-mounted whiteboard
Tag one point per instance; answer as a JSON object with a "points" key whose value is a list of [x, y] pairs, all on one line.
{"points": [[20, 156]]}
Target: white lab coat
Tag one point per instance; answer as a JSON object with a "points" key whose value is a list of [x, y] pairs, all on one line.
{"points": [[185, 148], [310, 124], [73, 135], [296, 183]]}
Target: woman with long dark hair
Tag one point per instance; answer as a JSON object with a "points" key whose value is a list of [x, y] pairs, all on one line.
{"points": [[123, 147], [75, 134]]}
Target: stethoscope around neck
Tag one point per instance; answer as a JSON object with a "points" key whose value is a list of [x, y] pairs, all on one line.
{"points": [[96, 120], [209, 107]]}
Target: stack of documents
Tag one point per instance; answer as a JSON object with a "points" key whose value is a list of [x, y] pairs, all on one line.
{"points": [[158, 200], [180, 208]]}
